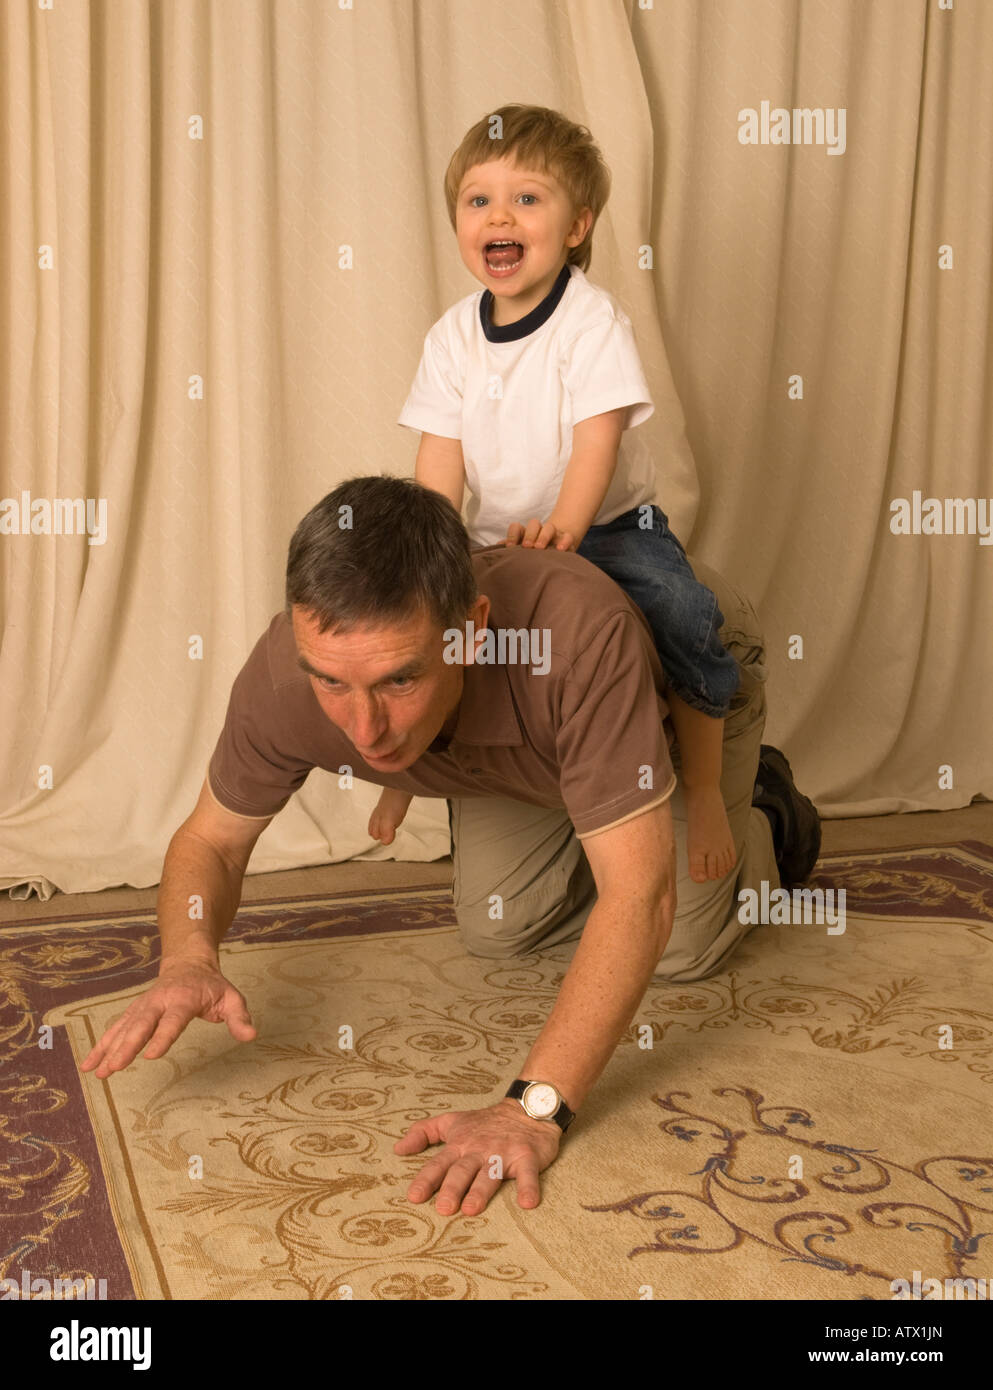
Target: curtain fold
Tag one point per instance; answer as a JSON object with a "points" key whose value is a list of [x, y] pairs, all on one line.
{"points": [[224, 238]]}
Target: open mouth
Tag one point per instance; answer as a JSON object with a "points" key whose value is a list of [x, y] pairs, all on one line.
{"points": [[503, 257]]}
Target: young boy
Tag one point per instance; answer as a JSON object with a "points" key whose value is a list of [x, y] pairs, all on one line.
{"points": [[524, 390]]}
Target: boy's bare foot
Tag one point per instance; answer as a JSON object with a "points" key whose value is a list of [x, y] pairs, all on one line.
{"points": [[709, 842], [389, 812]]}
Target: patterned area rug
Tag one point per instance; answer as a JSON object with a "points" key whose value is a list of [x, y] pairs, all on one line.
{"points": [[812, 1122]]}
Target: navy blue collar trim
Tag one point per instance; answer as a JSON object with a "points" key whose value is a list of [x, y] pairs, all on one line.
{"points": [[541, 313]]}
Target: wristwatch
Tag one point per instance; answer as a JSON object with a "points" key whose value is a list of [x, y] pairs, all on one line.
{"points": [[541, 1101]]}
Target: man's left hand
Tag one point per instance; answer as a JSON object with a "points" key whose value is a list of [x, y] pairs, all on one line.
{"points": [[473, 1139], [539, 536]]}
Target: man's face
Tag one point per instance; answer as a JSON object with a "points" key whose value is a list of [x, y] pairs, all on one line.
{"points": [[388, 689], [500, 202]]}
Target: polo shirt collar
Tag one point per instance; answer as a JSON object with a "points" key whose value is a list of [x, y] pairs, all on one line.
{"points": [[486, 711]]}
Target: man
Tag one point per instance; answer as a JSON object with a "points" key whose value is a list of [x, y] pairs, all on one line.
{"points": [[538, 707]]}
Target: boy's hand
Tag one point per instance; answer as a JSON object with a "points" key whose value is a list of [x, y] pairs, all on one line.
{"points": [[538, 536]]}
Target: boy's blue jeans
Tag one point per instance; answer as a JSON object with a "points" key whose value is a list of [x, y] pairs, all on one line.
{"points": [[651, 567]]}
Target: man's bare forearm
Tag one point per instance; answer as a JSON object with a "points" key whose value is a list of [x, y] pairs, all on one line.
{"points": [[617, 955], [195, 870]]}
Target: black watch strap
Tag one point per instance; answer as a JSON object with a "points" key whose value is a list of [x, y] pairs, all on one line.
{"points": [[563, 1116]]}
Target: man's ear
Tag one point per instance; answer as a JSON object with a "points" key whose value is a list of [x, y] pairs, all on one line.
{"points": [[479, 616]]}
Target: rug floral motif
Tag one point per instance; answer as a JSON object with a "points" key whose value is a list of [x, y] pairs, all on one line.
{"points": [[812, 1122]]}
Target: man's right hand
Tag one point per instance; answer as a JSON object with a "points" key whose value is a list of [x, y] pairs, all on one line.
{"points": [[185, 989]]}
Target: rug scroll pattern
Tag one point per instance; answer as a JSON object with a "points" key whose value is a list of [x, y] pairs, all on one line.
{"points": [[797, 1126]]}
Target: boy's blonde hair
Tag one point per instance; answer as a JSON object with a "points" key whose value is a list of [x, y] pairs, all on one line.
{"points": [[535, 137]]}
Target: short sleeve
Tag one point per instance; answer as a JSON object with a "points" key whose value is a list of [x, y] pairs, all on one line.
{"points": [[434, 405], [252, 772], [612, 748], [602, 371]]}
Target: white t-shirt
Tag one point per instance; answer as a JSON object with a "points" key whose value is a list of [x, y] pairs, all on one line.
{"points": [[513, 403]]}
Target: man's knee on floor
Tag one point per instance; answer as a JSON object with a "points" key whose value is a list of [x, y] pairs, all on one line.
{"points": [[495, 928]]}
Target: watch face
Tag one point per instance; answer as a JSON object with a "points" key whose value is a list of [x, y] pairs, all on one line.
{"points": [[541, 1100]]}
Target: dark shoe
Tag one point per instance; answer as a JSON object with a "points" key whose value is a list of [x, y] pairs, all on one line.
{"points": [[796, 826]]}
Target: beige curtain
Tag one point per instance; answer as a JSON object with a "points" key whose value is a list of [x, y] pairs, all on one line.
{"points": [[183, 183]]}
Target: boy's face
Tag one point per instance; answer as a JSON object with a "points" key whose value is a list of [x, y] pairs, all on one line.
{"points": [[499, 201]]}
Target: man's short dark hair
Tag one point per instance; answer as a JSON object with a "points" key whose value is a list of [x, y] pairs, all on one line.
{"points": [[381, 550]]}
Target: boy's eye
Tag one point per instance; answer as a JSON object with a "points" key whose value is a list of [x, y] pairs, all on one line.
{"points": [[476, 197]]}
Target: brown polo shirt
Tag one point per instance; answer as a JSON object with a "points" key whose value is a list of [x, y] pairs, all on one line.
{"points": [[587, 736]]}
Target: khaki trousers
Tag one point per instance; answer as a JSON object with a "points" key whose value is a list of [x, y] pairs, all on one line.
{"points": [[530, 857]]}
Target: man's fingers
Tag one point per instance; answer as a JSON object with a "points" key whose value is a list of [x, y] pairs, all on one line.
{"points": [[466, 1181], [525, 1174], [479, 1194], [457, 1181], [420, 1135], [94, 1056], [156, 1030], [100, 1047], [239, 1022], [413, 1141], [431, 1175], [170, 1025], [155, 1021], [123, 1049]]}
